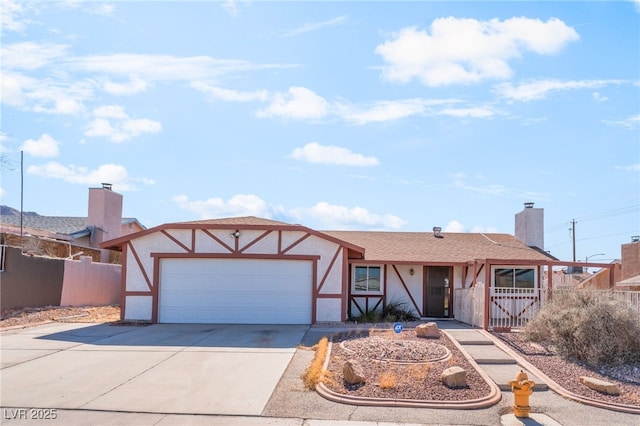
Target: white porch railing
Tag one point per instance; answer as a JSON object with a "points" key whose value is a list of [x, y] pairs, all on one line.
{"points": [[515, 307]]}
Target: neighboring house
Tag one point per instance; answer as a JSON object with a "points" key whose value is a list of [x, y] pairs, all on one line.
{"points": [[252, 270], [57, 260], [104, 221]]}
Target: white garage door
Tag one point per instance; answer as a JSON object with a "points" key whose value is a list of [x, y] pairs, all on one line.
{"points": [[235, 291]]}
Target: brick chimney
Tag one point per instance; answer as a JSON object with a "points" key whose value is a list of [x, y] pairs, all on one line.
{"points": [[530, 226], [105, 214]]}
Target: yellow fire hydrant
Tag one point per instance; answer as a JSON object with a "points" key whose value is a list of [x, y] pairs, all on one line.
{"points": [[522, 388]]}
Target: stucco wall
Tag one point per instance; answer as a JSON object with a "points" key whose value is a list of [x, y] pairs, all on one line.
{"points": [[90, 284], [30, 281]]}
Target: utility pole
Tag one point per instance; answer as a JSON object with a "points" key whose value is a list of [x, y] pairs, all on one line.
{"points": [[573, 237]]}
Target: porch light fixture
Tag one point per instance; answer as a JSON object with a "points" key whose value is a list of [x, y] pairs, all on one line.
{"points": [[411, 272], [235, 234], [437, 232]]}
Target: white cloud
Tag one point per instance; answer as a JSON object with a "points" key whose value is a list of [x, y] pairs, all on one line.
{"points": [[478, 112], [112, 173], [11, 18], [313, 152], [455, 226], [463, 51], [599, 97], [218, 93], [298, 102], [629, 122], [340, 217], [231, 7], [314, 26], [133, 86], [46, 146], [113, 123], [238, 205], [29, 55], [381, 111], [539, 89], [104, 9], [631, 168]]}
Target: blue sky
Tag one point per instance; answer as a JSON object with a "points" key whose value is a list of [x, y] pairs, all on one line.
{"points": [[335, 115]]}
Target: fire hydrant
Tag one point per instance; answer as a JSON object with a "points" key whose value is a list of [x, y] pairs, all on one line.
{"points": [[522, 388]]}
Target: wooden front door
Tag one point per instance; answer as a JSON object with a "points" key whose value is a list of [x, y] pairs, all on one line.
{"points": [[436, 291]]}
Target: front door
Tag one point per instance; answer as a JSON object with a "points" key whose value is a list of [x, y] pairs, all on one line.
{"points": [[436, 291]]}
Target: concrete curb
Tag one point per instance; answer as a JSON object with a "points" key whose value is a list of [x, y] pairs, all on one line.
{"points": [[556, 387], [494, 396]]}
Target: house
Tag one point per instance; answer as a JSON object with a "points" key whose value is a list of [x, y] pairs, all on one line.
{"points": [[253, 270], [104, 221], [57, 261]]}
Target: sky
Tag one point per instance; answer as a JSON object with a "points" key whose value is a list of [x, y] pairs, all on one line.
{"points": [[396, 116]]}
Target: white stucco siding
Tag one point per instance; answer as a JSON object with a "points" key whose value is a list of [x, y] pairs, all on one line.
{"points": [[329, 310], [291, 237], [326, 250], [457, 277], [138, 308], [135, 280], [396, 291], [185, 236], [265, 245]]}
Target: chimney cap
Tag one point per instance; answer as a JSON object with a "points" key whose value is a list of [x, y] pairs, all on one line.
{"points": [[635, 238], [528, 205], [106, 186], [437, 232]]}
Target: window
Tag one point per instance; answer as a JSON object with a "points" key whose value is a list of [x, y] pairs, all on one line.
{"points": [[514, 278], [367, 279], [3, 254]]}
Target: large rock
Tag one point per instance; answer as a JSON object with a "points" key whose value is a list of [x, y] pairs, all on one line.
{"points": [[353, 372], [429, 329], [600, 385], [454, 377]]}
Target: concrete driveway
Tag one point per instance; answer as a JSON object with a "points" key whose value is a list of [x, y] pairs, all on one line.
{"points": [[162, 368]]}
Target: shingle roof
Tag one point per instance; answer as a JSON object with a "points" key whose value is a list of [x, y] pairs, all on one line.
{"points": [[64, 225], [425, 247], [245, 220]]}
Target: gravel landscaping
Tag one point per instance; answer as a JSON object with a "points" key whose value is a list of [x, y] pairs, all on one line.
{"points": [[567, 373], [402, 366]]}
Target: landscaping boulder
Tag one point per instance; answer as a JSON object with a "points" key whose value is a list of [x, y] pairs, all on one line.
{"points": [[454, 377], [353, 372], [600, 385], [429, 330]]}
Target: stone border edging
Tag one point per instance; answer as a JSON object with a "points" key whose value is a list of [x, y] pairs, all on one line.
{"points": [[494, 396], [553, 385]]}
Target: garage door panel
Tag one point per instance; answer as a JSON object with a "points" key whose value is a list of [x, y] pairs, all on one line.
{"points": [[235, 291]]}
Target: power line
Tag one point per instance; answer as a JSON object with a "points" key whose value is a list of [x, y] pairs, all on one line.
{"points": [[596, 216]]}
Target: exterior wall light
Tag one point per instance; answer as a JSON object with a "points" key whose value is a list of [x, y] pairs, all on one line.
{"points": [[235, 234]]}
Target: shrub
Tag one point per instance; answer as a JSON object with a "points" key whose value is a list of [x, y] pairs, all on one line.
{"points": [[589, 328], [388, 380], [393, 311]]}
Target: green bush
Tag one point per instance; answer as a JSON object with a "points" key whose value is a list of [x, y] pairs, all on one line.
{"points": [[588, 327], [393, 311]]}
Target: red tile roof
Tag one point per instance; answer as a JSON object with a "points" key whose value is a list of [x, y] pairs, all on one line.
{"points": [[425, 247]]}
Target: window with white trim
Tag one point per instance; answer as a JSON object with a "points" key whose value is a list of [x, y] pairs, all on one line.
{"points": [[514, 278], [367, 279], [3, 254]]}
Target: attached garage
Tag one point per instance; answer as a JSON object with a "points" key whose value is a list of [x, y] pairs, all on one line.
{"points": [[236, 291]]}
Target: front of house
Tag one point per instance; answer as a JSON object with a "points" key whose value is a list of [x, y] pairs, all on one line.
{"points": [[252, 270]]}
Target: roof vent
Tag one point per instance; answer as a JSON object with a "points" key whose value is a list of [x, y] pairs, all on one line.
{"points": [[437, 232], [635, 238], [106, 186], [528, 205]]}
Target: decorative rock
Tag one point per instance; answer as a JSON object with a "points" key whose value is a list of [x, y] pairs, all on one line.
{"points": [[429, 329], [454, 377], [353, 372], [600, 385]]}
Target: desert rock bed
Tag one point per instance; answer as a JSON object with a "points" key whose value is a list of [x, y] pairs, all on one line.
{"points": [[567, 374], [410, 366]]}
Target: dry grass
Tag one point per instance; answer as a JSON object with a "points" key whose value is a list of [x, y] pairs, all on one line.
{"points": [[388, 379], [315, 373]]}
